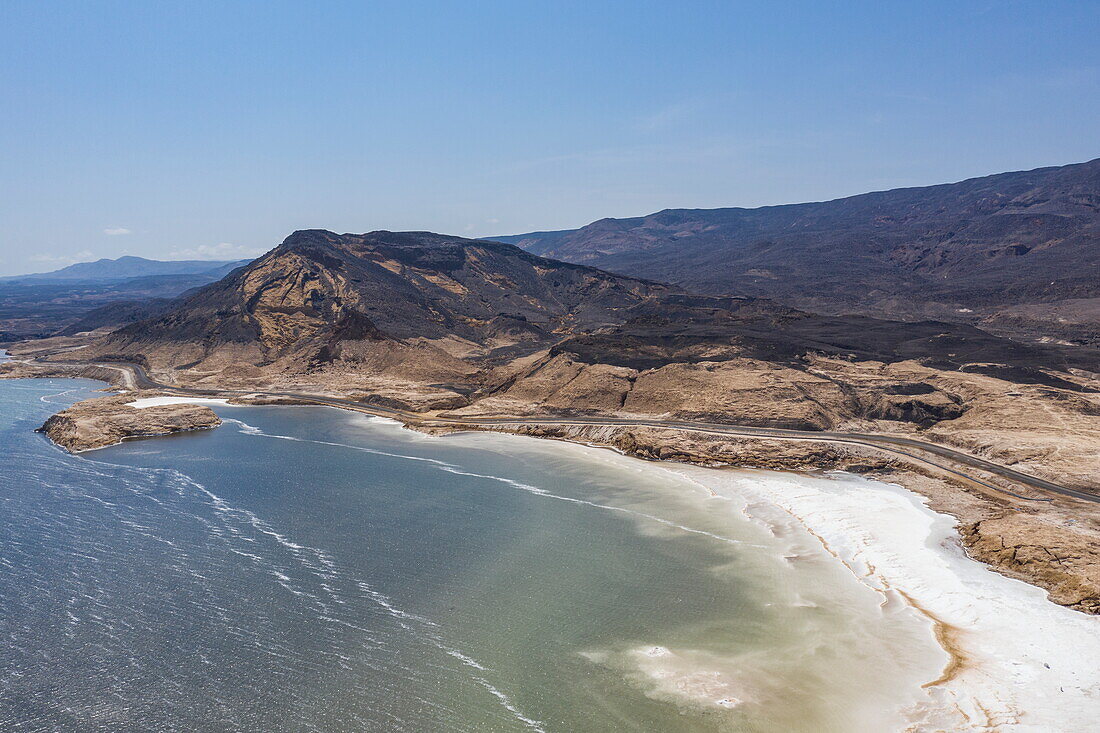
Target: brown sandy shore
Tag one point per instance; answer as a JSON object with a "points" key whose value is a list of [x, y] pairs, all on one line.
{"points": [[1053, 544]]}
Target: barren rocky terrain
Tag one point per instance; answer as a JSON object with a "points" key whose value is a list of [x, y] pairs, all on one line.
{"points": [[1014, 252], [105, 421]]}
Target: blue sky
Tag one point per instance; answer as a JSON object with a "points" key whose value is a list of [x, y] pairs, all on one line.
{"points": [[191, 129]]}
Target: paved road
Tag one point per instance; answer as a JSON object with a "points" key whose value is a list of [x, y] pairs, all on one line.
{"points": [[896, 445]]}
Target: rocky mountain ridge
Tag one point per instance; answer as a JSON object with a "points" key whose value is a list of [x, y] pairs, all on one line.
{"points": [[427, 321], [977, 249], [320, 298]]}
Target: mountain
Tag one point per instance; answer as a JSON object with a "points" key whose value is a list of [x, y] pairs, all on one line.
{"points": [[117, 313], [415, 313], [426, 321], [95, 295], [127, 267], [977, 249], [321, 298]]}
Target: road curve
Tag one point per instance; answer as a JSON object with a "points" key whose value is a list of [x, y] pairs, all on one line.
{"points": [[896, 445]]}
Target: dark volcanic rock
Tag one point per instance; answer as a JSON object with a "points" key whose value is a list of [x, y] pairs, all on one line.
{"points": [[118, 314], [997, 241], [370, 302]]}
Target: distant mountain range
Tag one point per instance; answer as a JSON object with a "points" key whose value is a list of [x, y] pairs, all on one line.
{"points": [[980, 248], [101, 294], [127, 267]]}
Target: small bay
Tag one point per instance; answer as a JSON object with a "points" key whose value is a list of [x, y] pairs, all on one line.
{"points": [[308, 569]]}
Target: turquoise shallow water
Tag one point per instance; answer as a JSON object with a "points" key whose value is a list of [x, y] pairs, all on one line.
{"points": [[307, 569]]}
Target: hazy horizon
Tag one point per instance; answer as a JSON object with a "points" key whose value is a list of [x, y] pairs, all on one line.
{"points": [[211, 132]]}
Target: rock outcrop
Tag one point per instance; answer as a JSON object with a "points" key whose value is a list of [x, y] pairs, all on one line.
{"points": [[104, 421], [1062, 559]]}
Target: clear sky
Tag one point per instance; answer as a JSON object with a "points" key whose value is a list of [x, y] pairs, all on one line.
{"points": [[187, 129]]}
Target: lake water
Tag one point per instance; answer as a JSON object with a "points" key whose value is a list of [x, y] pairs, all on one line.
{"points": [[310, 569]]}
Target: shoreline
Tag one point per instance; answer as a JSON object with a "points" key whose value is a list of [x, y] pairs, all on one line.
{"points": [[1014, 659], [989, 523], [1010, 646], [871, 532], [1052, 542]]}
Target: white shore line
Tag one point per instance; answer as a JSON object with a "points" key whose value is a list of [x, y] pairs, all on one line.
{"points": [[1018, 661], [145, 402], [1021, 662]]}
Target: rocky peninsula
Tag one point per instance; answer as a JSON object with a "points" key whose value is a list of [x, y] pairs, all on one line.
{"points": [[104, 421]]}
